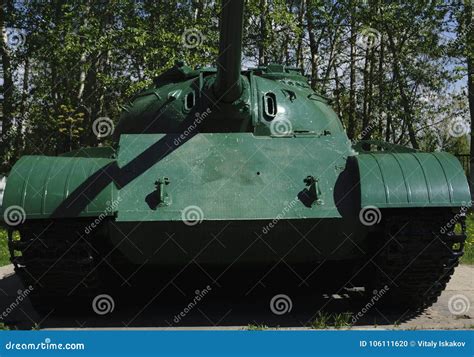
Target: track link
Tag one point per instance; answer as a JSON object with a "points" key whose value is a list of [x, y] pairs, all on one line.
{"points": [[56, 258], [417, 258]]}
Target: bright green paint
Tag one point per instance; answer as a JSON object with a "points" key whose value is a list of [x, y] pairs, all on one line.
{"points": [[412, 180]]}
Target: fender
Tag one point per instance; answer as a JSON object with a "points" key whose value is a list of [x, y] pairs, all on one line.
{"points": [[50, 187], [417, 179]]}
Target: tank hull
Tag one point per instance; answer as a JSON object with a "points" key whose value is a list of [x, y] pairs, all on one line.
{"points": [[239, 242], [217, 198]]}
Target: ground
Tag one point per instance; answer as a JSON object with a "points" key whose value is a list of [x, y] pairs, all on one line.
{"points": [[253, 314]]}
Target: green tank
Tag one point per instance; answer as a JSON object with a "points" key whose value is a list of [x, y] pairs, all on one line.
{"points": [[224, 166]]}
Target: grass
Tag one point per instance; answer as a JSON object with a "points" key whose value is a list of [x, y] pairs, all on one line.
{"points": [[324, 320], [258, 327], [4, 254], [468, 257], [342, 320], [321, 321]]}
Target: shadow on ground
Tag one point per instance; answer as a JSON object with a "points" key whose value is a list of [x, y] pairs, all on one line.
{"points": [[200, 301]]}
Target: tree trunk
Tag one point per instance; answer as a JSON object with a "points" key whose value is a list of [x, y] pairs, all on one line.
{"points": [[407, 109], [365, 105], [8, 88], [198, 9], [24, 97], [299, 49], [351, 113], [82, 76], [470, 81], [337, 91], [313, 45], [262, 55], [381, 89], [369, 122], [83, 59]]}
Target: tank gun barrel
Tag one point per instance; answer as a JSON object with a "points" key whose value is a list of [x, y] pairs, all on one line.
{"points": [[228, 84]]}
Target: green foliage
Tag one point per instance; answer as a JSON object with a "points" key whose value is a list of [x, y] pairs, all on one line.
{"points": [[4, 254], [324, 320], [321, 321], [342, 320], [399, 67], [257, 327], [70, 125], [84, 60], [468, 257]]}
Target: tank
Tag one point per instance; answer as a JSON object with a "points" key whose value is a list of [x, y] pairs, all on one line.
{"points": [[223, 167]]}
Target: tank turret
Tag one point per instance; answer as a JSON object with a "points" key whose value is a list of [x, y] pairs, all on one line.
{"points": [[267, 100], [180, 94]]}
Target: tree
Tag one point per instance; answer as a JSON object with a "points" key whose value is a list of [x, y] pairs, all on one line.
{"points": [[394, 70]]}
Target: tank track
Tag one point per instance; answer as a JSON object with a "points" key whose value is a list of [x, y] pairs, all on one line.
{"points": [[56, 258], [417, 258], [414, 258]]}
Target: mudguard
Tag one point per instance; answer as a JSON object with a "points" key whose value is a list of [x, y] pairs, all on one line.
{"points": [[391, 180], [45, 187]]}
